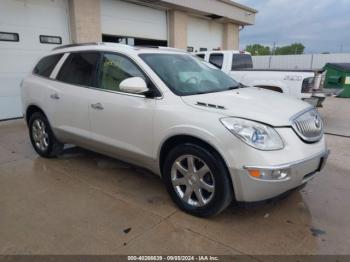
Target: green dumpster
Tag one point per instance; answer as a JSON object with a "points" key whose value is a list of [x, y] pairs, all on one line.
{"points": [[338, 77]]}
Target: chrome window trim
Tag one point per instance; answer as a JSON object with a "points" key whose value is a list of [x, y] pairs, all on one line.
{"points": [[119, 93], [94, 88]]}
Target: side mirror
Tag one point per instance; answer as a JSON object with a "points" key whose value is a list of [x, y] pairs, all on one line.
{"points": [[134, 85]]}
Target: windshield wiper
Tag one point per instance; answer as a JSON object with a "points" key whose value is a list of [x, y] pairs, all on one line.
{"points": [[233, 87], [203, 92], [240, 85], [216, 91]]}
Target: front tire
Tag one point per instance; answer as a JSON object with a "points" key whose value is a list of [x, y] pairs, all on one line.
{"points": [[42, 138], [197, 180]]}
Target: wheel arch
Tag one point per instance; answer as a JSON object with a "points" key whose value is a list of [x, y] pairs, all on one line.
{"points": [[31, 109], [173, 141]]}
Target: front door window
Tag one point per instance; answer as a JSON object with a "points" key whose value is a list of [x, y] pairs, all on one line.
{"points": [[116, 68]]}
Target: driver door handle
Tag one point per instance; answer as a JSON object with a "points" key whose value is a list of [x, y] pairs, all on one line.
{"points": [[97, 106]]}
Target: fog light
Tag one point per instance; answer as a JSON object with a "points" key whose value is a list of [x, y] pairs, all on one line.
{"points": [[267, 174]]}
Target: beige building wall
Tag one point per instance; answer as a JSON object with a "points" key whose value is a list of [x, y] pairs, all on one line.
{"points": [[231, 36], [85, 20], [178, 29]]}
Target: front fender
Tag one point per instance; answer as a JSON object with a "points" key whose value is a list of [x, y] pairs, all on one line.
{"points": [[191, 131]]}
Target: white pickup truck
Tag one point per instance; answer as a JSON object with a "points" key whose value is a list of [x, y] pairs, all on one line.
{"points": [[302, 84]]}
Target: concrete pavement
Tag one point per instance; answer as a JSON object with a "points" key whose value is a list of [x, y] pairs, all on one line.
{"points": [[85, 203]]}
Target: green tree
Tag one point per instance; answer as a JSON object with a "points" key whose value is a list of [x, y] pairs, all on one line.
{"points": [[293, 49], [257, 49]]}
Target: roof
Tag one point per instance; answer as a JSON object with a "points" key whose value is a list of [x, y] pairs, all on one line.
{"points": [[223, 52], [218, 10], [240, 6], [102, 46], [344, 67]]}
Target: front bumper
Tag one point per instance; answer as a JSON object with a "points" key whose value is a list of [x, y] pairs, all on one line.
{"points": [[253, 189]]}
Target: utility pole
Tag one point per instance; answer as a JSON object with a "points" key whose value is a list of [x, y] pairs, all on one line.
{"points": [[274, 48], [312, 61], [272, 53], [341, 48]]}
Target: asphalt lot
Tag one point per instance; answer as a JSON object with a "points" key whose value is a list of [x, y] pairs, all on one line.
{"points": [[85, 203]]}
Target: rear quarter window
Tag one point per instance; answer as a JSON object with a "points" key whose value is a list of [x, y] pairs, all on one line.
{"points": [[201, 55], [46, 65], [80, 69], [241, 61], [216, 60]]}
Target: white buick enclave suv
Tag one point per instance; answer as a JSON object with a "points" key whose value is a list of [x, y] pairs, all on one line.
{"points": [[211, 140]]}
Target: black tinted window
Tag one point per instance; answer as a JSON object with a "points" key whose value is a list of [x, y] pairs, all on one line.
{"points": [[241, 61], [217, 60], [46, 65], [80, 69], [201, 55]]}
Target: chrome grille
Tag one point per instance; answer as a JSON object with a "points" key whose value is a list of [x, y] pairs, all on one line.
{"points": [[308, 125]]}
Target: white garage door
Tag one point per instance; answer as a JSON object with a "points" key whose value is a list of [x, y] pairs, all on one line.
{"points": [[25, 21], [127, 19], [202, 33]]}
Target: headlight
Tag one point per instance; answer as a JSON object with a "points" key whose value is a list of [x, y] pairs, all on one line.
{"points": [[255, 134]]}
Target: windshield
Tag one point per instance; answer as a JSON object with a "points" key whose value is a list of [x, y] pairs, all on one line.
{"points": [[188, 75]]}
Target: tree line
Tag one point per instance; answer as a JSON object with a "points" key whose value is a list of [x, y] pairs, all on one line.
{"points": [[292, 49]]}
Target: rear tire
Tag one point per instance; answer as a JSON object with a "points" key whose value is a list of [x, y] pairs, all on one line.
{"points": [[197, 180], [42, 138]]}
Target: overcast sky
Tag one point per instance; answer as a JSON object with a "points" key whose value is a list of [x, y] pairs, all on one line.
{"points": [[321, 25]]}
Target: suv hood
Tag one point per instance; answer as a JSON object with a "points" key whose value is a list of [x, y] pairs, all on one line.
{"points": [[251, 103]]}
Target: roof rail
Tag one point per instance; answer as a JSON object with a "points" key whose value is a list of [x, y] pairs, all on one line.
{"points": [[106, 43], [161, 48], [172, 48], [74, 45]]}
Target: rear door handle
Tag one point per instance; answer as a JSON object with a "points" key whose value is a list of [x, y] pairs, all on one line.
{"points": [[97, 106], [55, 96]]}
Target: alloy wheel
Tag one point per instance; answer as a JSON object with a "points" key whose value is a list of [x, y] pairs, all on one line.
{"points": [[40, 135], [192, 180]]}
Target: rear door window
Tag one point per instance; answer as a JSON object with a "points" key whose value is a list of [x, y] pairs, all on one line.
{"points": [[216, 60], [80, 69], [241, 61], [46, 65]]}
